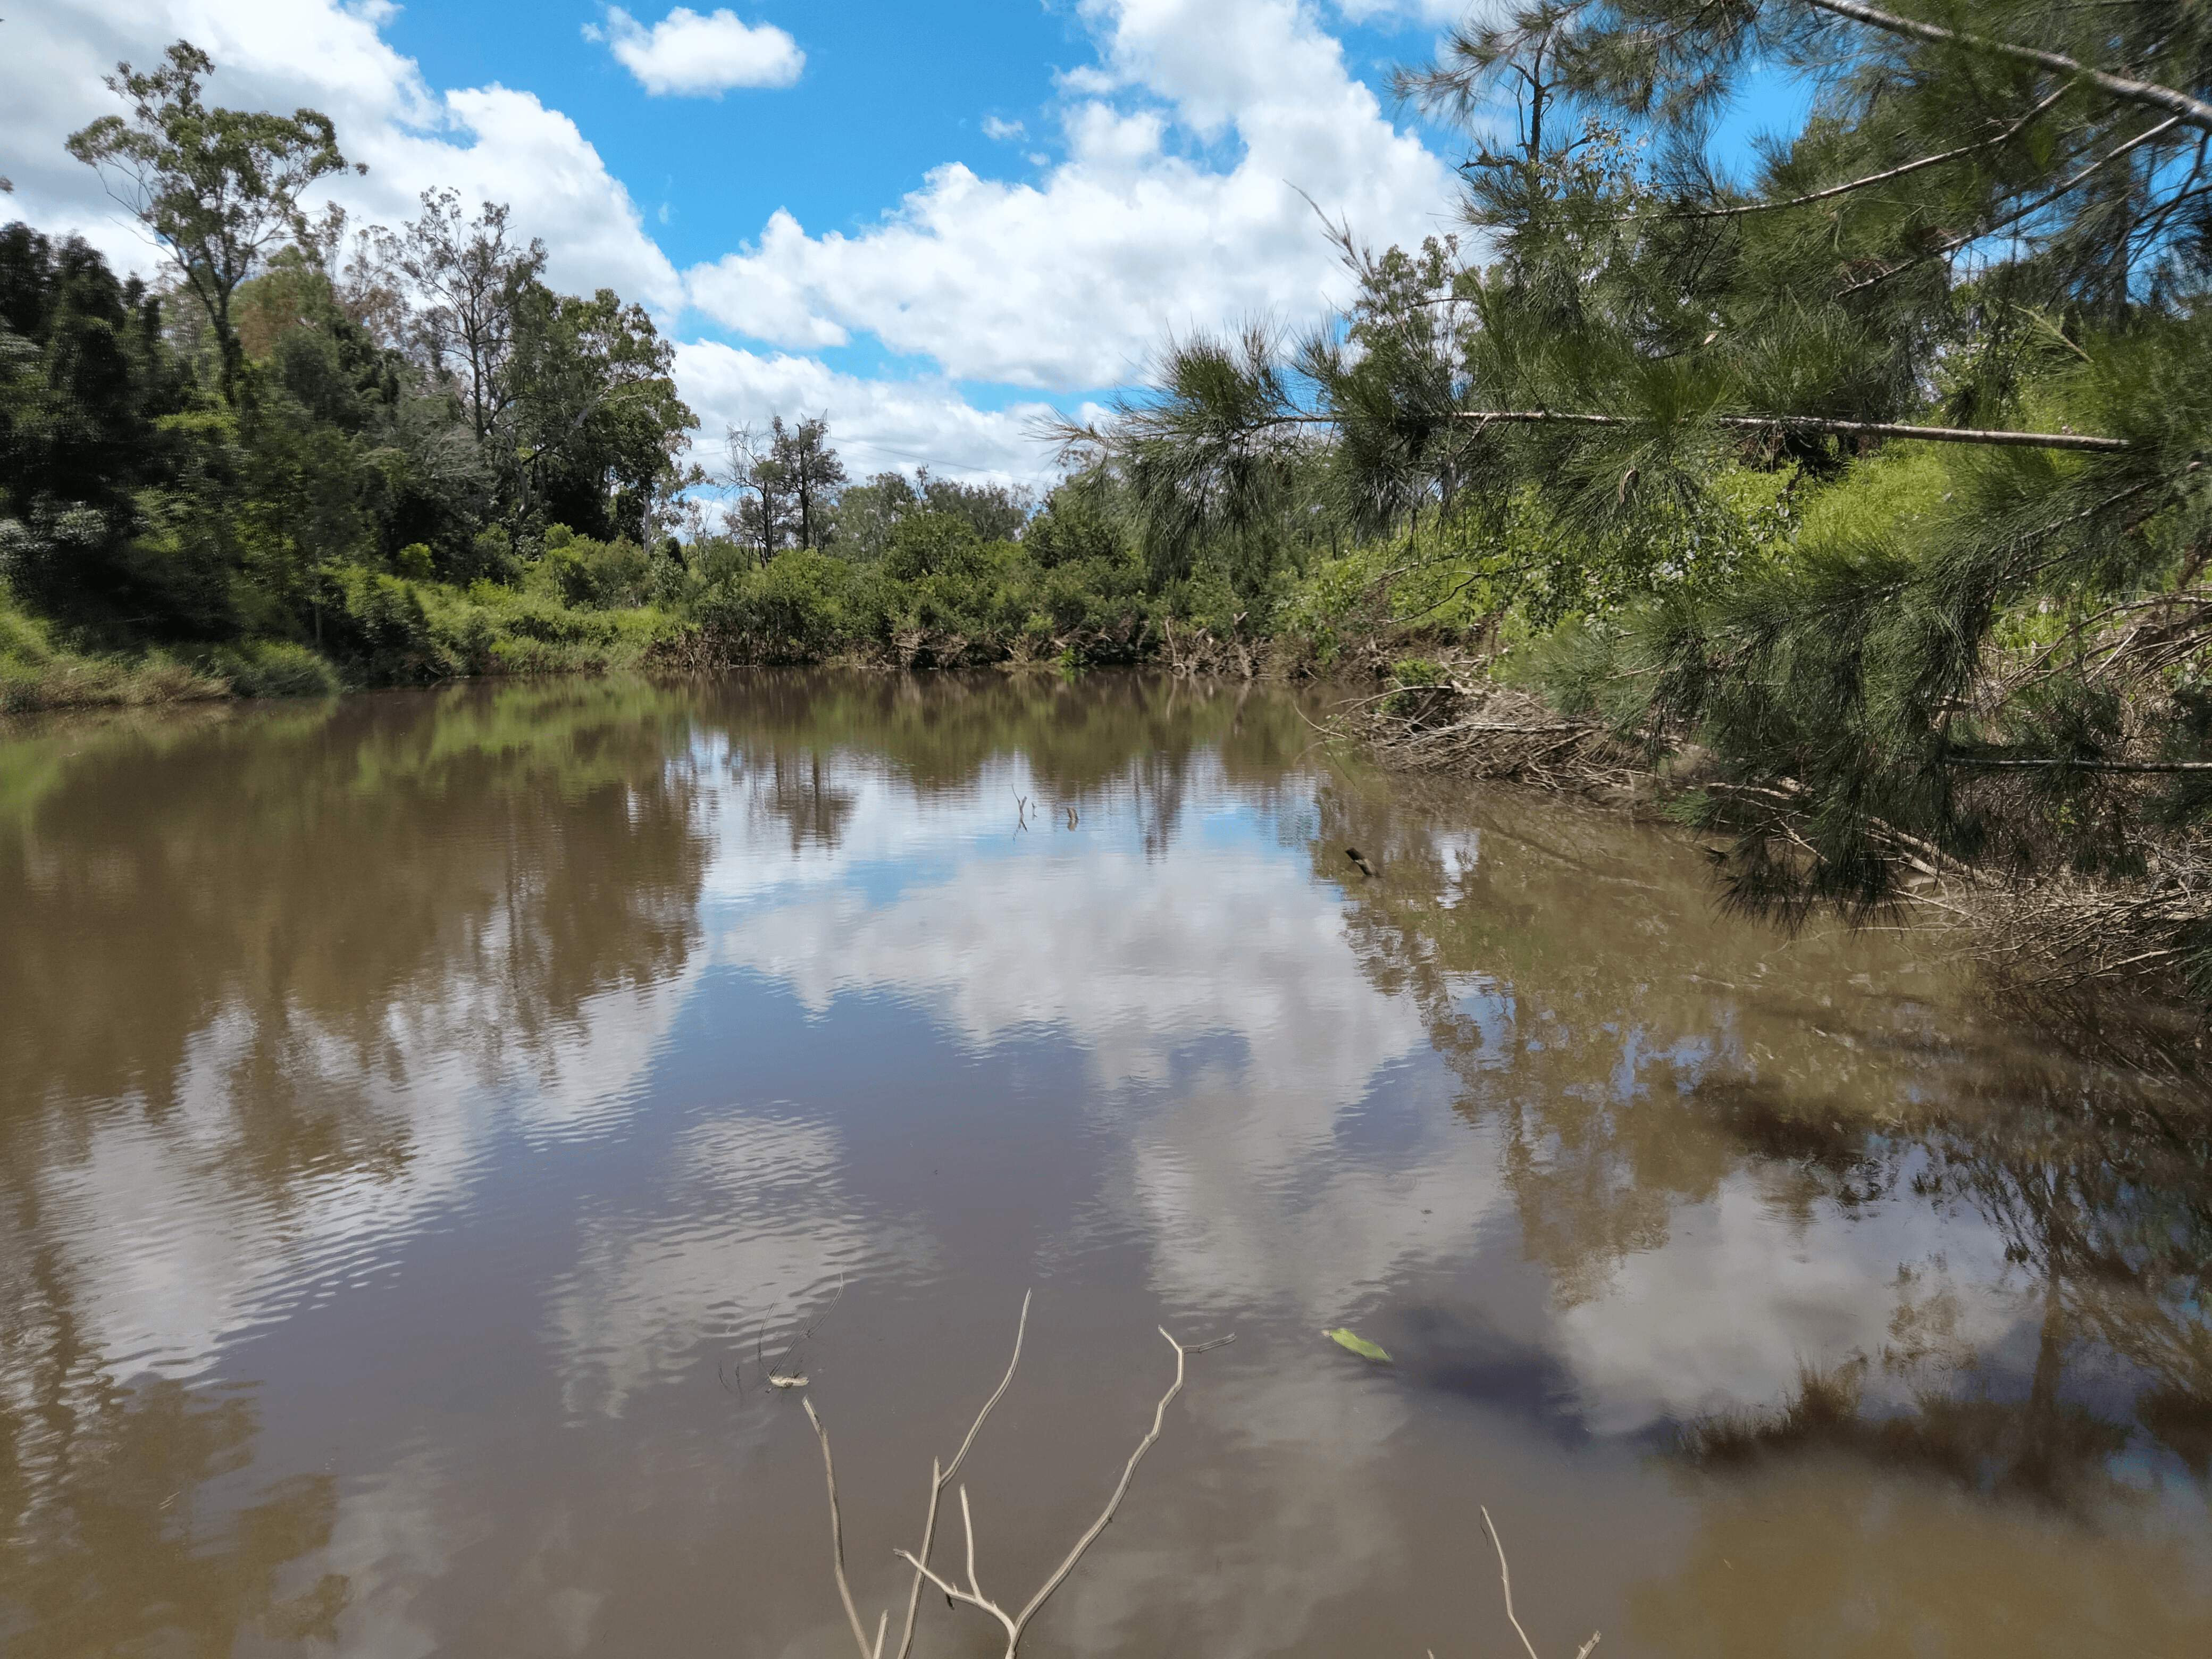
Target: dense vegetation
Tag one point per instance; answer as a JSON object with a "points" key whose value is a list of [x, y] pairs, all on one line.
{"points": [[303, 459], [1866, 492]]}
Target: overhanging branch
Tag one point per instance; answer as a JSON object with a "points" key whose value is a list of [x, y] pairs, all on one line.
{"points": [[1937, 434], [1881, 178], [1995, 762], [2193, 110]]}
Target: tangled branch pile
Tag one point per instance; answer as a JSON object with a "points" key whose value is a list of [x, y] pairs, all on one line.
{"points": [[1478, 728]]}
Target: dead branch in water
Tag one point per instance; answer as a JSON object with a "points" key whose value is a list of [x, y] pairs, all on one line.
{"points": [[1015, 1623], [868, 1650], [941, 1476], [1505, 1577], [1490, 731]]}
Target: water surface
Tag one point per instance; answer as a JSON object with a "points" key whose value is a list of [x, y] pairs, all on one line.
{"points": [[427, 1118]]}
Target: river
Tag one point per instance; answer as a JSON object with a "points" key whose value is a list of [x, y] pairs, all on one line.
{"points": [[430, 1122]]}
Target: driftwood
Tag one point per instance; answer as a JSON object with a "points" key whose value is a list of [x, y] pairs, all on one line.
{"points": [[1196, 653], [1475, 729]]}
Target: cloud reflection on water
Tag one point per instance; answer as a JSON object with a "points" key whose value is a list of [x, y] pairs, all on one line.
{"points": [[678, 1005]]}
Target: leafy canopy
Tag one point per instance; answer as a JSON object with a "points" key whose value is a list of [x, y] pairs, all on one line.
{"points": [[218, 189]]}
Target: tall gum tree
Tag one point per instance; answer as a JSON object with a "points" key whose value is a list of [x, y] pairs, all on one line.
{"points": [[217, 189]]}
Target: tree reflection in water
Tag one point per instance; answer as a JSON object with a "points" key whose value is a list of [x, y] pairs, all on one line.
{"points": [[113, 1542], [229, 939], [237, 939], [266, 976], [1628, 1084]]}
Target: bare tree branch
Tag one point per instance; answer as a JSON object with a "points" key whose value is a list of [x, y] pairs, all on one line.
{"points": [[1996, 762], [1937, 434], [1934, 434], [940, 1477], [838, 1548], [2193, 110], [1015, 1623], [1505, 1577]]}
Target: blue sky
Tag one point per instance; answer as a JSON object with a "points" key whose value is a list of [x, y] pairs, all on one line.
{"points": [[930, 224]]}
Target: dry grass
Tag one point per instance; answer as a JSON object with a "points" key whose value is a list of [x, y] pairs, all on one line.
{"points": [[73, 682]]}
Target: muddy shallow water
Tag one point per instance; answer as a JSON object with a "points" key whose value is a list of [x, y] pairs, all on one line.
{"points": [[426, 1119]]}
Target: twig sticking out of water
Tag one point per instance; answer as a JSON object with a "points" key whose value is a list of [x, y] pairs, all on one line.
{"points": [[941, 1476], [778, 1377], [1015, 1623], [868, 1650], [1505, 1577]]}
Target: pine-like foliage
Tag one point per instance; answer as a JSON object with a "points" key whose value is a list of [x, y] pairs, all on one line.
{"points": [[1964, 309]]}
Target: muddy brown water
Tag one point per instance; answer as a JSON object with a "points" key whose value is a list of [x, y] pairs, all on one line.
{"points": [[425, 1119]]}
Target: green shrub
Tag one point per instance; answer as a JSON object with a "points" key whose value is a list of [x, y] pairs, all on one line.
{"points": [[596, 575], [37, 673], [1416, 678], [934, 545], [797, 608], [274, 668]]}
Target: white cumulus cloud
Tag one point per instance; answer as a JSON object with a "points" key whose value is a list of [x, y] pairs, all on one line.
{"points": [[877, 425], [492, 142], [1167, 204], [1140, 231], [692, 56]]}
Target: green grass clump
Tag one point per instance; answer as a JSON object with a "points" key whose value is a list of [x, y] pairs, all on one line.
{"points": [[36, 673]]}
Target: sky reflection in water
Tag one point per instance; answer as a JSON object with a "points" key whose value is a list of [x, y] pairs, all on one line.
{"points": [[422, 1111]]}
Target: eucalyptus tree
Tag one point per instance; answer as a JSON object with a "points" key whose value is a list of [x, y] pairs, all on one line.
{"points": [[218, 189], [811, 472], [468, 278], [593, 419], [787, 479]]}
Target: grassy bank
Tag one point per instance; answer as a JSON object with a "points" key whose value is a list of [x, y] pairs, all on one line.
{"points": [[37, 673]]}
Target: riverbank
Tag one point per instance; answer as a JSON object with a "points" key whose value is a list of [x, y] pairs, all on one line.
{"points": [[2113, 956], [2115, 960], [36, 674]]}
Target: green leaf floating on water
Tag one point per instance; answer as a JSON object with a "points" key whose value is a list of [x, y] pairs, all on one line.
{"points": [[1358, 1345]]}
